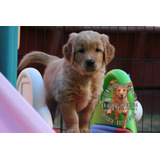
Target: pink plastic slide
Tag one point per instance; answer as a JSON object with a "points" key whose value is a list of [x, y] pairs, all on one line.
{"points": [[16, 114]]}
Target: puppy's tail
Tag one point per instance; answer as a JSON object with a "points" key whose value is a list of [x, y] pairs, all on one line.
{"points": [[36, 57]]}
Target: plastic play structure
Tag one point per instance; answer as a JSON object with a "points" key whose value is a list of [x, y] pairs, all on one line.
{"points": [[8, 51], [103, 123], [30, 85], [16, 114]]}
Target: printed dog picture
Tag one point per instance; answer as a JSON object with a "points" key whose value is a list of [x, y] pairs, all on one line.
{"points": [[119, 103]]}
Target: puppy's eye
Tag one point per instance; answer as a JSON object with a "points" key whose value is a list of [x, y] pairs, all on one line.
{"points": [[82, 50], [118, 90], [97, 50], [124, 90]]}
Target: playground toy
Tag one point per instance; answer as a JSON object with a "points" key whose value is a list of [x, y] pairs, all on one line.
{"points": [[16, 114], [97, 128], [8, 51], [138, 111], [30, 85], [108, 122]]}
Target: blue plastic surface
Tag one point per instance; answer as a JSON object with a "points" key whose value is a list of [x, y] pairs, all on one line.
{"points": [[8, 52]]}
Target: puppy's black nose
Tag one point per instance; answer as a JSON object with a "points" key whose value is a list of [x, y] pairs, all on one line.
{"points": [[90, 62]]}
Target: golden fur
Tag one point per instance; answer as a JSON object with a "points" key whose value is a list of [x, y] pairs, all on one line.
{"points": [[120, 102], [74, 83]]}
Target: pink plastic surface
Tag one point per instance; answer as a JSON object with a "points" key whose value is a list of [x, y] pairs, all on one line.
{"points": [[16, 114]]}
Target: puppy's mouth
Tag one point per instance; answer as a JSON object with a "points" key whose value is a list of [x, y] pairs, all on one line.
{"points": [[121, 98], [90, 69], [85, 68]]}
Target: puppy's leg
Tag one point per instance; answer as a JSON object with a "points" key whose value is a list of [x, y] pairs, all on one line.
{"points": [[52, 105], [125, 110], [116, 115], [85, 115], [125, 120], [70, 117], [125, 114], [109, 111]]}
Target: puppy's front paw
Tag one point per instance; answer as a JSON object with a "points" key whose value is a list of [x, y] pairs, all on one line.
{"points": [[124, 126], [124, 113], [72, 131], [108, 112], [83, 130], [116, 117]]}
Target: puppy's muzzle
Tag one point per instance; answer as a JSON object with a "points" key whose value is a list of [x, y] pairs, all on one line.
{"points": [[121, 97], [90, 63]]}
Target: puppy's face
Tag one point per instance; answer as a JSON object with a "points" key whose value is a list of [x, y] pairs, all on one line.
{"points": [[121, 91], [88, 50]]}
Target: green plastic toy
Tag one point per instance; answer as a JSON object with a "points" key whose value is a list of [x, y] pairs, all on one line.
{"points": [[100, 117]]}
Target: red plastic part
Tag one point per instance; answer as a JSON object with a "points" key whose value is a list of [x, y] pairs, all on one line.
{"points": [[56, 130], [121, 130]]}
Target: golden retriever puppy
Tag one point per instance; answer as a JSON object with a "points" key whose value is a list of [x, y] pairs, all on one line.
{"points": [[120, 103], [74, 83]]}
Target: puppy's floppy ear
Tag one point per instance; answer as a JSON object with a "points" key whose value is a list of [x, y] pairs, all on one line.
{"points": [[112, 82], [68, 48], [129, 84], [109, 50]]}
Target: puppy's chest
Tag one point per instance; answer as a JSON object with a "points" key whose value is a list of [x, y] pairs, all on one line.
{"points": [[118, 101], [119, 106], [83, 96]]}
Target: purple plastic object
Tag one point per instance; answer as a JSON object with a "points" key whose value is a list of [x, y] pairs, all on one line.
{"points": [[16, 114], [98, 128]]}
